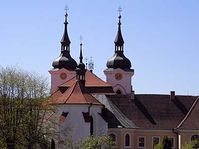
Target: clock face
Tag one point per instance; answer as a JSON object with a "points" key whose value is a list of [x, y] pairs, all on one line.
{"points": [[63, 76], [118, 76]]}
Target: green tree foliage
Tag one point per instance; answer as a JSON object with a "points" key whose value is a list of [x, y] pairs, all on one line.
{"points": [[22, 112], [102, 142], [165, 144], [190, 144], [18, 84], [92, 142]]}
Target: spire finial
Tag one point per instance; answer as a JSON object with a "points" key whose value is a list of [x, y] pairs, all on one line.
{"points": [[66, 8], [65, 41], [80, 56], [91, 64], [66, 14], [86, 61], [119, 11], [80, 39]]}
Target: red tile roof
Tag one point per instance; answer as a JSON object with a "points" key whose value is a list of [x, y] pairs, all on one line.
{"points": [[91, 81], [93, 84], [76, 94]]}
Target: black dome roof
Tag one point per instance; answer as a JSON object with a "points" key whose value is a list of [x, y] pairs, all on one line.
{"points": [[65, 61], [119, 61]]}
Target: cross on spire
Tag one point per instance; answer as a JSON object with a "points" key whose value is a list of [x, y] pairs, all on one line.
{"points": [[81, 39], [120, 10], [86, 61], [66, 14], [66, 8]]}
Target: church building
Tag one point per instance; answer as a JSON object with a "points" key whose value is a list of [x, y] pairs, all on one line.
{"points": [[87, 105]]}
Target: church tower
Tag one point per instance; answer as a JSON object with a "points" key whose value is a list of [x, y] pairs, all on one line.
{"points": [[64, 66], [81, 114], [119, 72]]}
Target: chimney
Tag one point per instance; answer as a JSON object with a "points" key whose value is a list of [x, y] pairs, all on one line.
{"points": [[172, 95]]}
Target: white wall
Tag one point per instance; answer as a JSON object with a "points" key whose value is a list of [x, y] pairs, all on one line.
{"points": [[74, 126], [100, 125]]}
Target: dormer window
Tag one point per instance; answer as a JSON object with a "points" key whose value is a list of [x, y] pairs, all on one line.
{"points": [[118, 92]]}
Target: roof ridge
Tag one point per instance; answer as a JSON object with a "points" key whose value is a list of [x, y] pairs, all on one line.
{"points": [[119, 115], [73, 87], [180, 105], [85, 92], [189, 112], [163, 94], [94, 98], [86, 98], [144, 110], [126, 122], [54, 92]]}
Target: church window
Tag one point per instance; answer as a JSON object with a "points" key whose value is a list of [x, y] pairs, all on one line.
{"points": [[195, 137], [141, 142], [127, 140]]}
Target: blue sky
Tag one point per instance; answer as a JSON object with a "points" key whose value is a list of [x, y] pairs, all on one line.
{"points": [[161, 38]]}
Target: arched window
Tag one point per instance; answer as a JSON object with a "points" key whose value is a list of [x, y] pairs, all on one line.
{"points": [[127, 140], [118, 92], [113, 138], [195, 138]]}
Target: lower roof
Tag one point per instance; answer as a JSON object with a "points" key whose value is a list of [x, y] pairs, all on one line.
{"points": [[191, 121], [149, 111]]}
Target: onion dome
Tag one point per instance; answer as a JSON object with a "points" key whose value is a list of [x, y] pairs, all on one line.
{"points": [[119, 60], [65, 60], [80, 70]]}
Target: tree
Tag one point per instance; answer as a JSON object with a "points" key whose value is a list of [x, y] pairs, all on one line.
{"points": [[91, 142], [165, 144], [101, 142], [190, 144], [18, 84], [22, 112]]}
